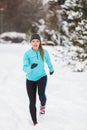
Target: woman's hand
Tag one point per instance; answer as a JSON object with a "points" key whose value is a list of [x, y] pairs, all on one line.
{"points": [[51, 72], [33, 65]]}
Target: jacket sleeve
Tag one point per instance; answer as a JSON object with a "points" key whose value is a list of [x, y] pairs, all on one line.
{"points": [[48, 61], [26, 64]]}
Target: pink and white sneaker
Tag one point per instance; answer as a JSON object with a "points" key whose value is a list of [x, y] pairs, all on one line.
{"points": [[42, 110], [35, 124]]}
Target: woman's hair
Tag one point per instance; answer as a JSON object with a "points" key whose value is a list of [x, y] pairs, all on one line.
{"points": [[41, 51]]}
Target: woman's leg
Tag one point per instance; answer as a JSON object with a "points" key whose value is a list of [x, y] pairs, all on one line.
{"points": [[41, 90], [31, 90]]}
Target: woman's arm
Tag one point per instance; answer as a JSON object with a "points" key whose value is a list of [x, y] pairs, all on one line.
{"points": [[26, 64], [48, 61]]}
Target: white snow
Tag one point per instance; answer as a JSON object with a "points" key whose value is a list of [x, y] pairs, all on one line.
{"points": [[45, 1], [66, 91], [13, 35]]}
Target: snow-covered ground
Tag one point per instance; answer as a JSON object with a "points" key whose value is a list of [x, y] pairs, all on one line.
{"points": [[66, 94]]}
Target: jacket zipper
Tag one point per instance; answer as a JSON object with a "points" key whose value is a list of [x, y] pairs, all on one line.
{"points": [[37, 54]]}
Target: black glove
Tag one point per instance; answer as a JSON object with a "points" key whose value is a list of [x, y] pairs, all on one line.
{"points": [[51, 72], [33, 65]]}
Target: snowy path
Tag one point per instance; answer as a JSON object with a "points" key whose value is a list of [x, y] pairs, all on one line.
{"points": [[66, 93]]}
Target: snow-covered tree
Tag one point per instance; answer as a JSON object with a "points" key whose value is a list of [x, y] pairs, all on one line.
{"points": [[74, 31], [51, 24]]}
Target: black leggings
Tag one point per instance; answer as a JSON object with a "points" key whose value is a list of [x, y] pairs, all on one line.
{"points": [[31, 90]]}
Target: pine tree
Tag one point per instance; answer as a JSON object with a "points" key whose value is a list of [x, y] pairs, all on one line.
{"points": [[76, 28], [52, 23]]}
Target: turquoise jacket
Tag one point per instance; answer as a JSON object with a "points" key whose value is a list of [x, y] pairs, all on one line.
{"points": [[31, 57]]}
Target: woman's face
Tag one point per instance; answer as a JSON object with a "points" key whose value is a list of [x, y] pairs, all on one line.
{"points": [[35, 44]]}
